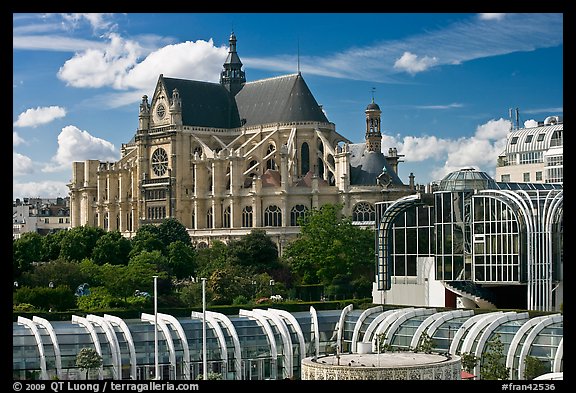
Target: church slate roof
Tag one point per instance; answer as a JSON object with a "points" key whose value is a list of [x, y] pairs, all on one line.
{"points": [[204, 104], [365, 166], [282, 99]]}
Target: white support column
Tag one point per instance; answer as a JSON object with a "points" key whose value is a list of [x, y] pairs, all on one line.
{"points": [[32, 326], [167, 337], [129, 340], [48, 326], [113, 342], [286, 340], [88, 325], [178, 327]]}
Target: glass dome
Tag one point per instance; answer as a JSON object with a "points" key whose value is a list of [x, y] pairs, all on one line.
{"points": [[467, 179]]}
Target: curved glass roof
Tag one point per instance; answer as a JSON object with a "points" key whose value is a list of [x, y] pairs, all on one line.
{"points": [[467, 179]]}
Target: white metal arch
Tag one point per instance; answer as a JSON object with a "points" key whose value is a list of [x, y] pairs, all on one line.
{"points": [[219, 334], [466, 330], [557, 367], [170, 319], [385, 324], [286, 340], [88, 325], [271, 340], [296, 326], [359, 323], [519, 338], [552, 319], [48, 326], [370, 331], [315, 331], [431, 324], [340, 327], [32, 326], [232, 331], [113, 342], [395, 325], [167, 336], [487, 332], [129, 340]]}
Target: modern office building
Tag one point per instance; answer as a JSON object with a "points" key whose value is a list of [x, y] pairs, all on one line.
{"points": [[272, 344], [225, 158], [472, 243], [534, 154]]}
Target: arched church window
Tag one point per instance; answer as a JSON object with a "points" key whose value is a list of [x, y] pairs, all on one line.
{"points": [[304, 159], [227, 218], [297, 212], [209, 218], [272, 216], [364, 211], [247, 217]]}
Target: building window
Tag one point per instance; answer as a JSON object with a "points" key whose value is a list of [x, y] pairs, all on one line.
{"points": [[304, 159], [540, 137], [528, 138], [60, 221], [209, 218], [526, 176], [227, 218], [297, 213], [364, 211], [273, 216], [514, 140], [247, 217], [539, 176], [505, 178]]}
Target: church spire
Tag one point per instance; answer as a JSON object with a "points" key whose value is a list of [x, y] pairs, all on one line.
{"points": [[232, 76]]}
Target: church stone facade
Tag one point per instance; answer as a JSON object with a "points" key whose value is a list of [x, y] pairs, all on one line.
{"points": [[225, 158]]}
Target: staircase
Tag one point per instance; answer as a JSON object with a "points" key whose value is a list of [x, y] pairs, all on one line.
{"points": [[481, 296]]}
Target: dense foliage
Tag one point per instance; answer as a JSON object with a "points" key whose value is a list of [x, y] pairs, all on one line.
{"points": [[87, 268]]}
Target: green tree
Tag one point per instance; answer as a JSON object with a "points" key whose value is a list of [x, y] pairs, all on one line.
{"points": [[329, 246], [172, 230], [425, 344], [25, 250], [534, 367], [59, 272], [79, 242], [469, 361], [211, 258], [111, 248], [147, 238], [181, 261], [88, 359], [51, 245], [493, 364], [256, 251]]}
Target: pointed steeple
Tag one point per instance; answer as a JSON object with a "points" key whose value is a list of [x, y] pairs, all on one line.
{"points": [[232, 76]]}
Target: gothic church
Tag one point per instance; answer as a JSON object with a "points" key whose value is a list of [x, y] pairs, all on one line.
{"points": [[225, 158]]}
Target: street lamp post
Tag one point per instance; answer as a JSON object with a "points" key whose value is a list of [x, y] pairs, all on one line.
{"points": [[204, 359], [156, 364]]}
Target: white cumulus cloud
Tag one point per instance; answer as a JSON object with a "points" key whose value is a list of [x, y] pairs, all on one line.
{"points": [[410, 63], [125, 65], [41, 115], [42, 189], [77, 145], [21, 165], [16, 139]]}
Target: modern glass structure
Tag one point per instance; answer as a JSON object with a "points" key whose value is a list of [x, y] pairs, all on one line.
{"points": [[473, 242], [269, 343]]}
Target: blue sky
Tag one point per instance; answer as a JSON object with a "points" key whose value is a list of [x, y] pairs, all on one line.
{"points": [[444, 81]]}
